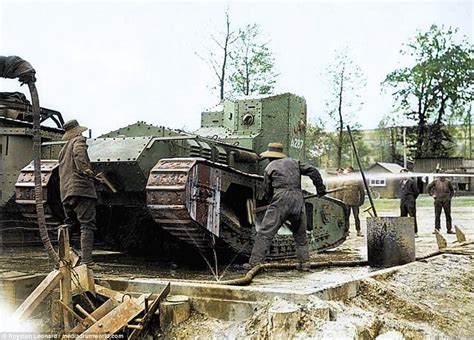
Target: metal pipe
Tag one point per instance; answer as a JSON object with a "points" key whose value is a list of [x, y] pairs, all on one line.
{"points": [[362, 172]]}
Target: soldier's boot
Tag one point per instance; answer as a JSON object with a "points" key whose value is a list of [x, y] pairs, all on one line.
{"points": [[450, 231], [259, 252], [302, 254], [359, 233], [87, 242]]}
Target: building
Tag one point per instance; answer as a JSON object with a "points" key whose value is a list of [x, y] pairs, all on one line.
{"points": [[381, 180], [452, 165]]}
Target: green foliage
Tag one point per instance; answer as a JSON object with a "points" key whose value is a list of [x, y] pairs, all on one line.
{"points": [[439, 79], [252, 63], [321, 148]]}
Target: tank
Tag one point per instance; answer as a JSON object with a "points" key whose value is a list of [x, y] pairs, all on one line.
{"points": [[174, 191]]}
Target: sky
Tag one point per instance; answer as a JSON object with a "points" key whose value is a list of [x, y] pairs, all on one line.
{"points": [[112, 63]]}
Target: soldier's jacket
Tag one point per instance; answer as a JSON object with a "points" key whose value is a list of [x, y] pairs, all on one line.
{"points": [[441, 189], [353, 193], [337, 183], [283, 176], [408, 189], [73, 162]]}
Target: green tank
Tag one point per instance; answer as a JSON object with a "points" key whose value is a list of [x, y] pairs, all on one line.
{"points": [[174, 190]]}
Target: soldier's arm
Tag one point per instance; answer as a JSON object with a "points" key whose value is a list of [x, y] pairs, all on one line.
{"points": [[81, 158], [451, 189], [429, 188], [361, 194], [267, 187], [414, 187], [313, 173]]}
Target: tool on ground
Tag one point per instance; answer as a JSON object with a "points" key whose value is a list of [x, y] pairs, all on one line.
{"points": [[366, 185]]}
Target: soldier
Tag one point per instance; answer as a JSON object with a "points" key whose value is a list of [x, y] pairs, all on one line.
{"points": [[442, 191], [353, 196], [282, 186], [78, 193], [408, 195]]}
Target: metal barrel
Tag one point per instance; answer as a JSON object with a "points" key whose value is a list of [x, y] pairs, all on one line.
{"points": [[390, 241]]}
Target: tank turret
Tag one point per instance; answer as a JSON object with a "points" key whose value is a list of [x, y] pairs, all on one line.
{"points": [[253, 123]]}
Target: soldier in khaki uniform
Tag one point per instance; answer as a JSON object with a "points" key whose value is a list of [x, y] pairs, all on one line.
{"points": [[78, 193], [282, 186], [353, 196], [442, 191]]}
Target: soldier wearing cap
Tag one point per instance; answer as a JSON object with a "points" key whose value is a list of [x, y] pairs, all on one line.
{"points": [[442, 191], [77, 187], [408, 194], [282, 187]]}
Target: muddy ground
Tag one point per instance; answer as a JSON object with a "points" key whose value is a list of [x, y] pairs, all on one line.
{"points": [[423, 299]]}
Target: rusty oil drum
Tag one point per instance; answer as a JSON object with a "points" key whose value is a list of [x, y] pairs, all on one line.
{"points": [[390, 241]]}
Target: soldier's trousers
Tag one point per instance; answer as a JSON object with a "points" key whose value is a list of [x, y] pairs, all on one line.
{"points": [[443, 204], [287, 206], [82, 210], [408, 208], [355, 211]]}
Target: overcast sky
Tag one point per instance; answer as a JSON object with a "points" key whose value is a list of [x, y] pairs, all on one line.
{"points": [[112, 63]]}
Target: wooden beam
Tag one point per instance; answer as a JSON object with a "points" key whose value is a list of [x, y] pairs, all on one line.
{"points": [[32, 302]]}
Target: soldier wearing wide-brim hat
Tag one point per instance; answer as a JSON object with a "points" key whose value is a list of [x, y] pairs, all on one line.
{"points": [[78, 193], [282, 187], [73, 129]]}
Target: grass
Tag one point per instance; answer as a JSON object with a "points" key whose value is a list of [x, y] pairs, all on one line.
{"points": [[386, 204]]}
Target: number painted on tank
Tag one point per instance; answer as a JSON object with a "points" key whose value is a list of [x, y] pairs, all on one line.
{"points": [[296, 143]]}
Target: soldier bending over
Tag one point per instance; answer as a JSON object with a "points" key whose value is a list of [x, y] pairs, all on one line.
{"points": [[282, 185]]}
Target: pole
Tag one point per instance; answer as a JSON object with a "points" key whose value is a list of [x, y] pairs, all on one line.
{"points": [[361, 171], [64, 269], [405, 147]]}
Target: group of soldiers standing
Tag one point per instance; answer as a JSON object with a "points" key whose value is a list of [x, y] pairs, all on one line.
{"points": [[442, 191], [351, 192]]}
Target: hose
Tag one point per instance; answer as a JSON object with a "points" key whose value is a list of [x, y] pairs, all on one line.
{"points": [[248, 277], [53, 256]]}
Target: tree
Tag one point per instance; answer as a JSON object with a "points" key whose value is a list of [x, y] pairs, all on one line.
{"points": [[253, 63], [391, 147], [217, 56], [440, 77], [316, 143], [347, 83]]}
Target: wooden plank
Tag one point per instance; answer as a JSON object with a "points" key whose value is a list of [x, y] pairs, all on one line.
{"points": [[86, 281], [65, 283], [115, 320], [98, 314], [111, 294], [38, 295]]}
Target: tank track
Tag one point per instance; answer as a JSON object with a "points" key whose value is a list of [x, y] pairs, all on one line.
{"points": [[189, 198]]}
